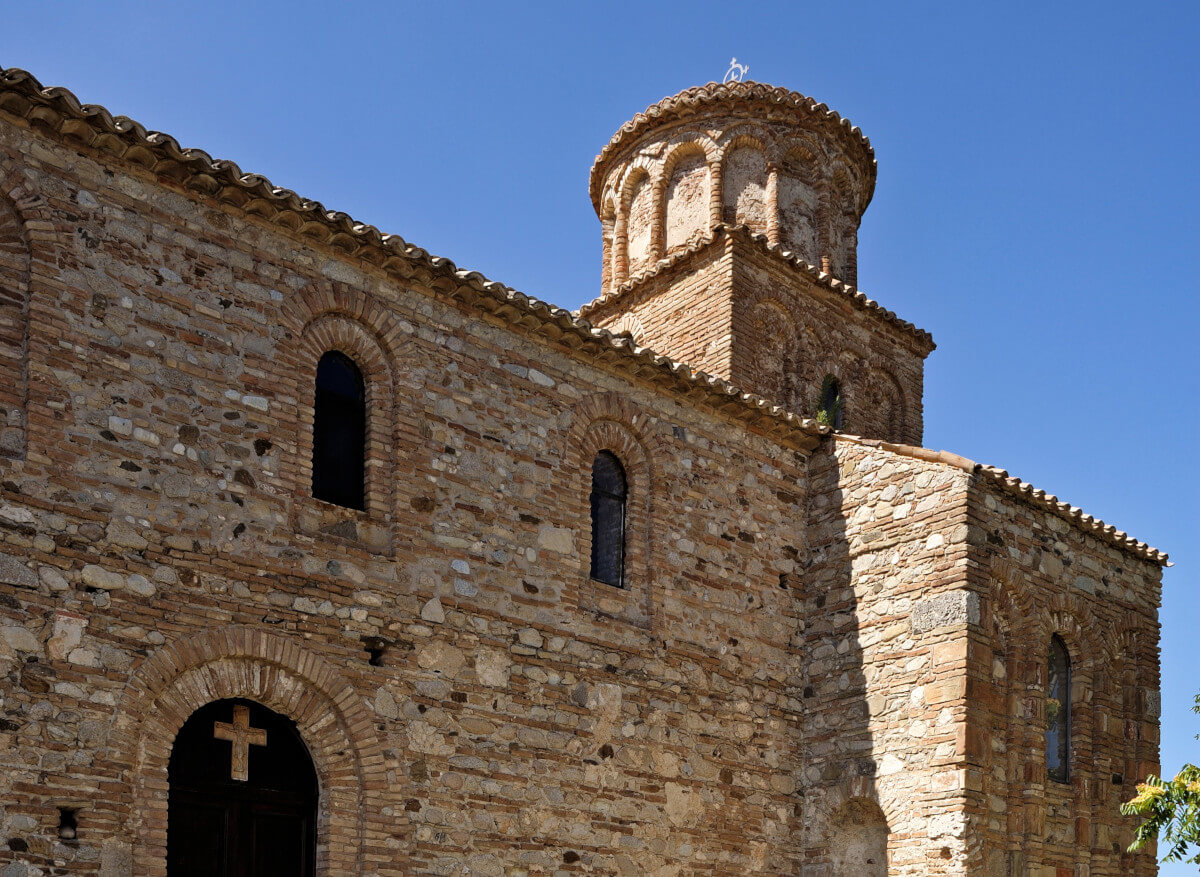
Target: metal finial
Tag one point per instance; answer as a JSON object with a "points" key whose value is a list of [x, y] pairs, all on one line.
{"points": [[736, 72]]}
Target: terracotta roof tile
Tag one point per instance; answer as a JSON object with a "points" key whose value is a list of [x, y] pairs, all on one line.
{"points": [[1026, 492]]}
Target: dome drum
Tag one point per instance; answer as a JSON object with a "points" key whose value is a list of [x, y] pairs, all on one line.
{"points": [[738, 154]]}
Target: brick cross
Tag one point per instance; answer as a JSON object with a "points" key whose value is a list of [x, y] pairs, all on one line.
{"points": [[242, 736]]}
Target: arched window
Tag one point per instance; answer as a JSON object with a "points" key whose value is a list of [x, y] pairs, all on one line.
{"points": [[1058, 712], [609, 493], [339, 433], [829, 408]]}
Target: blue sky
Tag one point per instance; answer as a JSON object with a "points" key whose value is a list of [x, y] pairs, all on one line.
{"points": [[1036, 208]]}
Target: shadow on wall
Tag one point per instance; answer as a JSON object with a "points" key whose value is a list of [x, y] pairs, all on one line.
{"points": [[844, 828]]}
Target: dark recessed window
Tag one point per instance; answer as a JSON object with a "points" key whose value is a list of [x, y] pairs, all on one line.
{"points": [[609, 493], [829, 407], [339, 433], [1058, 712]]}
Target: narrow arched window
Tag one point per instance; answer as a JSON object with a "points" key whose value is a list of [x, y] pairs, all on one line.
{"points": [[1058, 712], [829, 407], [609, 493], [339, 433]]}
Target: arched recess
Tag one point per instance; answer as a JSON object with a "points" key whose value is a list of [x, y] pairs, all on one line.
{"points": [[1064, 614], [770, 345], [335, 317], [1001, 752], [610, 422], [284, 676], [26, 244], [744, 184], [687, 198], [842, 219], [630, 324], [842, 367], [883, 405], [608, 227], [799, 202], [637, 207], [857, 820], [807, 359], [858, 840]]}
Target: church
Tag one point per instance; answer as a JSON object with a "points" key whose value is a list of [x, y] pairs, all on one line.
{"points": [[321, 556]]}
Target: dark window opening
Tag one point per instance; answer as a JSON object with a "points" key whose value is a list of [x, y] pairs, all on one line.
{"points": [[242, 797], [609, 493], [829, 408], [1058, 712], [339, 433]]}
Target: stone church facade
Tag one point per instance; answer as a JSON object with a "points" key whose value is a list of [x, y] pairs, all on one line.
{"points": [[785, 640]]}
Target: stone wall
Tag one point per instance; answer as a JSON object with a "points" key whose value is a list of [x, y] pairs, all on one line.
{"points": [[930, 599], [1037, 575], [886, 624], [160, 550]]}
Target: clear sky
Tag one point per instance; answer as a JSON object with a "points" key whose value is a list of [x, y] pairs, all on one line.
{"points": [[1036, 208]]}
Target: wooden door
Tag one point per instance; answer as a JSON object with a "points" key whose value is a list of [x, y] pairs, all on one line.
{"points": [[243, 796]]}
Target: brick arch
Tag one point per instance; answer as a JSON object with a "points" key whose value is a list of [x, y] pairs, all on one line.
{"points": [[28, 249], [746, 134], [693, 147], [1063, 614], [333, 317], [1129, 636], [785, 146], [630, 324], [798, 198], [608, 222], [1006, 614], [638, 182], [840, 221], [760, 221], [841, 365], [1008, 600], [883, 388], [283, 675], [808, 359], [1090, 657], [771, 367], [895, 806], [611, 422]]}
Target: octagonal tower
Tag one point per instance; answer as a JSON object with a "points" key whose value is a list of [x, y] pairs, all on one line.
{"points": [[741, 153], [730, 216]]}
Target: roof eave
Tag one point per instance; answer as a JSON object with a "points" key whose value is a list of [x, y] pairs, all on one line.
{"points": [[57, 112]]}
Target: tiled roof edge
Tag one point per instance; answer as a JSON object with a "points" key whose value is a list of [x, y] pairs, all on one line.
{"points": [[58, 111], [689, 99], [1025, 491], [856, 296]]}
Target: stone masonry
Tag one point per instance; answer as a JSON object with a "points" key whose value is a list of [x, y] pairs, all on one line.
{"points": [[830, 656]]}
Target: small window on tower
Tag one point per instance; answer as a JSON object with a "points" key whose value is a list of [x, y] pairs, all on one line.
{"points": [[829, 407], [339, 433], [609, 493]]}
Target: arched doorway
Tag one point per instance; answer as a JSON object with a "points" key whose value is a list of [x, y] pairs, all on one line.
{"points": [[243, 795]]}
